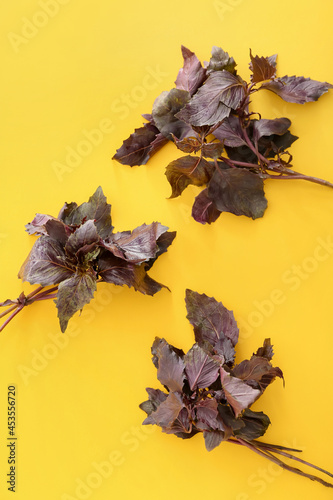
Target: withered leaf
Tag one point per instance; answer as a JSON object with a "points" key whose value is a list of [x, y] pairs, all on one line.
{"points": [[188, 144], [188, 170], [263, 68]]}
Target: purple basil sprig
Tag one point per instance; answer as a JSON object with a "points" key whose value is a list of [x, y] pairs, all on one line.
{"points": [[205, 391], [79, 249], [230, 150]]}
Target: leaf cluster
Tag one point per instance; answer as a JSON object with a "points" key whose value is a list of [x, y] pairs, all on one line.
{"points": [[79, 248], [229, 152], [206, 391]]}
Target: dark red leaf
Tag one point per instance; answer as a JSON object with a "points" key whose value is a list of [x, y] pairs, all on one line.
{"points": [[221, 92], [204, 209], [201, 369], [238, 394], [210, 319], [238, 191], [297, 88], [140, 146]]}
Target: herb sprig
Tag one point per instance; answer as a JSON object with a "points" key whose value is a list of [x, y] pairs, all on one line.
{"points": [[79, 249], [208, 114], [207, 392]]}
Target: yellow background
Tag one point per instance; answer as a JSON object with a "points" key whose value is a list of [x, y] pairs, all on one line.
{"points": [[78, 393]]}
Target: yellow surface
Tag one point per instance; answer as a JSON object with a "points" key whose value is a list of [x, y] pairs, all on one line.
{"points": [[69, 67]]}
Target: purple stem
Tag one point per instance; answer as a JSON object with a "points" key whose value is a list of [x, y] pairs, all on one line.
{"points": [[39, 294], [9, 310], [285, 175], [252, 446], [18, 309]]}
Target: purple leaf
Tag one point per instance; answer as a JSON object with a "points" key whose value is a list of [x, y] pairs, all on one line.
{"points": [[158, 345], [210, 319], [46, 264], [156, 397], [73, 294], [257, 370], [207, 414], [264, 127], [238, 394], [66, 212], [171, 367], [297, 89], [139, 245], [165, 108], [140, 146], [57, 230], [96, 209], [213, 439], [201, 369], [238, 191], [188, 170], [220, 60], [114, 270], [85, 237], [181, 426], [213, 102], [230, 132], [263, 68], [192, 75], [266, 351], [225, 349], [37, 225], [256, 424], [204, 210], [163, 243], [168, 410]]}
